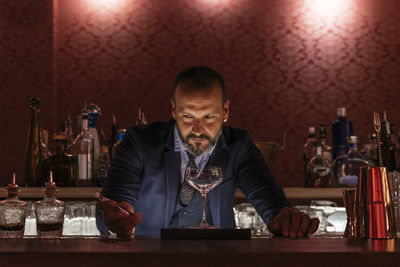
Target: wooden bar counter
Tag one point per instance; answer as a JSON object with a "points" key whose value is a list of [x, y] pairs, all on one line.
{"points": [[88, 192], [87, 252]]}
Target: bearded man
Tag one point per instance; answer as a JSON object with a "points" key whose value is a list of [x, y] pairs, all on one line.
{"points": [[147, 173]]}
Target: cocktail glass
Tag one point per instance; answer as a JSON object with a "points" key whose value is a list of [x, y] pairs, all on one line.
{"points": [[204, 180]]}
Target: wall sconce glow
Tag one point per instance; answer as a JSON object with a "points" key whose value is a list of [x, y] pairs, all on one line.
{"points": [[216, 2], [329, 8], [114, 5]]}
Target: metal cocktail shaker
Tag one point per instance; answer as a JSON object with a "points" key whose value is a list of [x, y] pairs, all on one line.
{"points": [[374, 211]]}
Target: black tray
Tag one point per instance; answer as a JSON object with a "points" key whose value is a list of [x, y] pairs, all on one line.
{"points": [[223, 233]]}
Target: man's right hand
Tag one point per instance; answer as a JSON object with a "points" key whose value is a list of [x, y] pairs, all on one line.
{"points": [[118, 221]]}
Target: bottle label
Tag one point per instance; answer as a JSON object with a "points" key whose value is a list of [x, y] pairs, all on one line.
{"points": [[85, 168]]}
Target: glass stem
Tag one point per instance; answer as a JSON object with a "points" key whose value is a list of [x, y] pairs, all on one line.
{"points": [[203, 202]]}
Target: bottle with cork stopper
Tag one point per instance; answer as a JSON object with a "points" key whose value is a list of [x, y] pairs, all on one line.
{"points": [[12, 213], [49, 212]]}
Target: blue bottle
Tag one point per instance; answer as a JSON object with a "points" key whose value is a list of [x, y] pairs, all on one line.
{"points": [[341, 131]]}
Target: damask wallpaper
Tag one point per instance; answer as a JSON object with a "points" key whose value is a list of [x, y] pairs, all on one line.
{"points": [[287, 64]]}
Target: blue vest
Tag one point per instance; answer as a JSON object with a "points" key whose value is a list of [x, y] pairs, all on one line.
{"points": [[190, 215]]}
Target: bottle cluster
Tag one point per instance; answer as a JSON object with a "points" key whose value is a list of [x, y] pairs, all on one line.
{"points": [[339, 164], [78, 160]]}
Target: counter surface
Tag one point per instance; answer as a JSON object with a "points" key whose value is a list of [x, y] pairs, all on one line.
{"points": [[88, 192], [155, 252]]}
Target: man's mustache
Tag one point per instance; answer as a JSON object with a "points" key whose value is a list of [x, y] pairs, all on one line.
{"points": [[202, 136]]}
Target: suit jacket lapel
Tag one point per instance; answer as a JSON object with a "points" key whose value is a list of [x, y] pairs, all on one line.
{"points": [[173, 174]]}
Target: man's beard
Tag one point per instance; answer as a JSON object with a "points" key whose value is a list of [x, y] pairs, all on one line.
{"points": [[195, 150]]}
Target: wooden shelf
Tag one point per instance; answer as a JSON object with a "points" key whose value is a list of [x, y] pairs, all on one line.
{"points": [[88, 193], [63, 192], [307, 193]]}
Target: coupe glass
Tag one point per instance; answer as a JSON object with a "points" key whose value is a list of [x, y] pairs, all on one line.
{"points": [[204, 180]]}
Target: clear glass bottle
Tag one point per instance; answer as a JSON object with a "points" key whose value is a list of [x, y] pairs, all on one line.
{"points": [[12, 213], [341, 130], [69, 133], [33, 155], [346, 168], [49, 213], [319, 169], [308, 153], [389, 152], [326, 149], [121, 133], [84, 152], [370, 149], [104, 165], [94, 113]]}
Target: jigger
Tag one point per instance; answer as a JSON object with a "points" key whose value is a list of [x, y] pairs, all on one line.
{"points": [[349, 199], [374, 211]]}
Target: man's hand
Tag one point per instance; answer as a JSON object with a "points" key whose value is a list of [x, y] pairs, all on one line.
{"points": [[291, 222], [118, 221]]}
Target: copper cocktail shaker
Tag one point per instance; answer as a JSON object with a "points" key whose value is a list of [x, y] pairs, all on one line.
{"points": [[374, 211]]}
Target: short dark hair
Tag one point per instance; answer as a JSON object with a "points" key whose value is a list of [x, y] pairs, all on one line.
{"points": [[198, 77]]}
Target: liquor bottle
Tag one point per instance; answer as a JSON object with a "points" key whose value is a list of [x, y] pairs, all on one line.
{"points": [[62, 164], [69, 133], [94, 113], [370, 149], [44, 143], [33, 155], [12, 213], [114, 130], [326, 149], [341, 130], [121, 133], [104, 165], [83, 150], [141, 119], [346, 168], [49, 213], [319, 169], [389, 152], [398, 151], [308, 153]]}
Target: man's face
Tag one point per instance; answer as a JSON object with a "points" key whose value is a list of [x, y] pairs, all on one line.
{"points": [[199, 116]]}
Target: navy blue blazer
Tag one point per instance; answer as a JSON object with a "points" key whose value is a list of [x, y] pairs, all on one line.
{"points": [[145, 172]]}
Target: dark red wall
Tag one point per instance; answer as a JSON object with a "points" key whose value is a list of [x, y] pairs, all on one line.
{"points": [[286, 65]]}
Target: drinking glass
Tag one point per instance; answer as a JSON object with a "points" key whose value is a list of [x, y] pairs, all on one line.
{"points": [[328, 208], [204, 180]]}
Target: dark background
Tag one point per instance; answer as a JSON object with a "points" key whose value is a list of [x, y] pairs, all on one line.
{"points": [[287, 64]]}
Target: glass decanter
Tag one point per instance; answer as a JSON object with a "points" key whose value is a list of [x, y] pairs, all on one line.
{"points": [[346, 168], [49, 212], [12, 213]]}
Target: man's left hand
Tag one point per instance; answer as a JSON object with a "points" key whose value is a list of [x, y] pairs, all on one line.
{"points": [[291, 222]]}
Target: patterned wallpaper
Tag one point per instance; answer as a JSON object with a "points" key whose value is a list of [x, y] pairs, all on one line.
{"points": [[287, 64], [25, 70]]}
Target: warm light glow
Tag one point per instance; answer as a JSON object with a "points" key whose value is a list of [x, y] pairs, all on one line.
{"points": [[216, 2], [114, 5], [329, 8]]}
